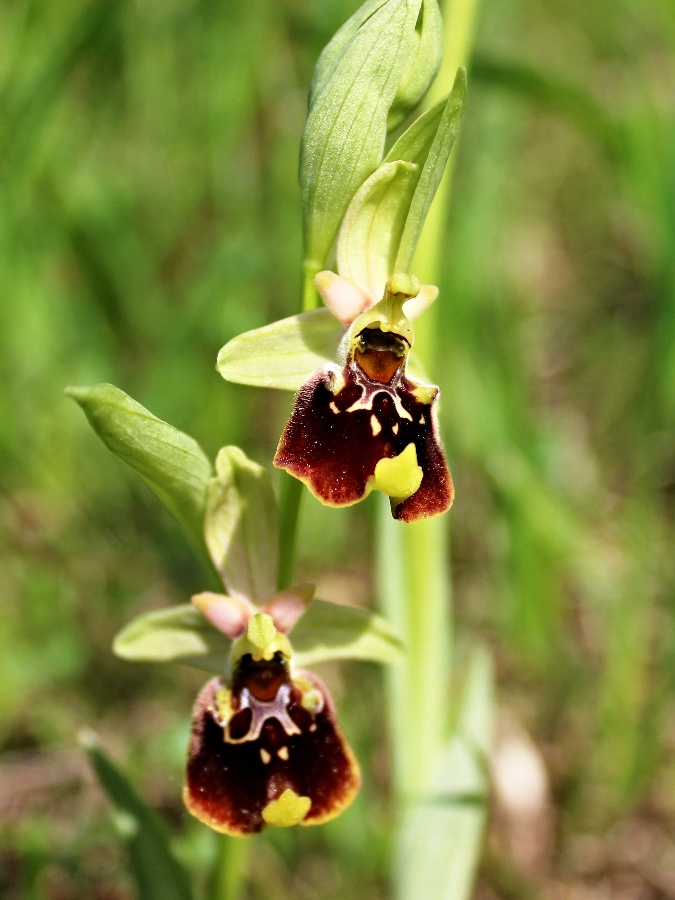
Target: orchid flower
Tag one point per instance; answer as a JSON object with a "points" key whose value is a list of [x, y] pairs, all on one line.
{"points": [[366, 425], [265, 747]]}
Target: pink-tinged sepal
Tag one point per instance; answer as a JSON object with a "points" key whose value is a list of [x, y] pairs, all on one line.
{"points": [[267, 751]]}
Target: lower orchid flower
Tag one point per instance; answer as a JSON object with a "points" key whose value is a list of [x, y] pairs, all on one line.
{"points": [[265, 746], [367, 425]]}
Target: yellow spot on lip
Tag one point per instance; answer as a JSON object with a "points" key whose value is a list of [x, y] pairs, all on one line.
{"points": [[375, 426], [222, 702], [399, 476], [283, 753], [265, 756], [289, 809]]}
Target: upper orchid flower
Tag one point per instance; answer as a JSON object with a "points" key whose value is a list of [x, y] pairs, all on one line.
{"points": [[366, 424], [265, 746]]}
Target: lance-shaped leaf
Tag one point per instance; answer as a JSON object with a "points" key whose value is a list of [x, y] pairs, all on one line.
{"points": [[283, 354], [241, 527], [332, 631], [384, 220], [424, 61], [171, 463], [155, 869], [344, 135], [176, 634], [428, 144]]}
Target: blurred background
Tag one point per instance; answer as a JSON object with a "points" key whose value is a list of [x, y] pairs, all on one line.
{"points": [[149, 213]]}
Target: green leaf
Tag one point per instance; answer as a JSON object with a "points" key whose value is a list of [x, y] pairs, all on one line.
{"points": [[157, 873], [371, 232], [176, 634], [171, 463], [241, 526], [283, 354], [332, 631], [356, 83], [428, 144], [424, 61], [441, 837]]}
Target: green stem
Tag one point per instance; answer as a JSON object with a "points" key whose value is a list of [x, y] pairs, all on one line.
{"points": [[290, 489], [413, 564], [228, 871], [290, 496]]}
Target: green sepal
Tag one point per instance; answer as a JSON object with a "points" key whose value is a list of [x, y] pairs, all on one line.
{"points": [[175, 634], [371, 232], [428, 143], [326, 631], [357, 80], [333, 631], [171, 463], [241, 527], [155, 869], [283, 354], [425, 59]]}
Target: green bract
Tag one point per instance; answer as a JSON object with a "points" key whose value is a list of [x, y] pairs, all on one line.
{"points": [[371, 231], [384, 220], [356, 82], [424, 61], [172, 464], [240, 526], [235, 515], [428, 143]]}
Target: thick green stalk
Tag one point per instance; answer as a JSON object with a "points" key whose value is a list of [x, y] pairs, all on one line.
{"points": [[413, 565], [290, 489], [290, 496], [228, 872], [228, 875]]}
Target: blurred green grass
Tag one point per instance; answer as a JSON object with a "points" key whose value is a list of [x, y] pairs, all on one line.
{"points": [[150, 212]]}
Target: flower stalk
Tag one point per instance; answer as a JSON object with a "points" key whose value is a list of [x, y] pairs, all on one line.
{"points": [[416, 592]]}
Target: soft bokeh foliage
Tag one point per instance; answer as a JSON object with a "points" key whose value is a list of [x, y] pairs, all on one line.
{"points": [[148, 157]]}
